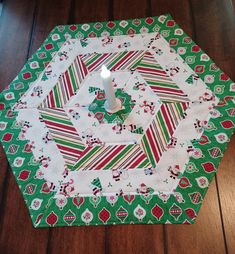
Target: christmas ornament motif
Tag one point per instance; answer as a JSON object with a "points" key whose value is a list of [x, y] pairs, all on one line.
{"points": [[195, 197], [69, 217], [227, 124], [157, 212], [88, 166], [87, 216], [191, 213], [139, 213], [129, 198], [61, 201], [121, 213], [30, 189], [36, 203], [78, 201], [215, 152], [191, 167], [112, 199], [184, 182], [95, 200], [52, 219], [202, 182], [24, 175], [104, 215], [175, 211], [209, 167]]}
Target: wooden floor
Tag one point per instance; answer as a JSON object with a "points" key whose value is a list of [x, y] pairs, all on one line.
{"points": [[24, 24]]}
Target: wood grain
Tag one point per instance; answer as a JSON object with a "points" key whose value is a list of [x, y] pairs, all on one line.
{"points": [[127, 9], [217, 40], [16, 217], [226, 183], [136, 239], [180, 12], [45, 22], [15, 28], [90, 11], [215, 28], [199, 237]]}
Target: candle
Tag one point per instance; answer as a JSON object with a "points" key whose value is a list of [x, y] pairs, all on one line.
{"points": [[111, 104]]}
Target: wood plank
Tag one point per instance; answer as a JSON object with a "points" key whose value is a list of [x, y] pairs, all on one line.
{"points": [[15, 216], [136, 239], [218, 41], [17, 233], [14, 41], [127, 9], [178, 240], [90, 11], [215, 28], [77, 240], [81, 239], [181, 12], [47, 18], [205, 236], [226, 183], [15, 28], [3, 171]]}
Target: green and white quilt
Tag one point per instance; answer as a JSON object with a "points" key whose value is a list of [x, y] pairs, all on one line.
{"points": [[152, 161]]}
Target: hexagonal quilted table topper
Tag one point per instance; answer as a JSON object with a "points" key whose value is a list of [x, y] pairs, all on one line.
{"points": [[150, 162]]}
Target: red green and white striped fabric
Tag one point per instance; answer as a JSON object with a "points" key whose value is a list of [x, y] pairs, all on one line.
{"points": [[159, 80], [113, 61], [67, 85], [112, 156], [64, 134], [158, 135]]}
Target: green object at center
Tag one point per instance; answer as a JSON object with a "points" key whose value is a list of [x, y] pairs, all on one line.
{"points": [[100, 113]]}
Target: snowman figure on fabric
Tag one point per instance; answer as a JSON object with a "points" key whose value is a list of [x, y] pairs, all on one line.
{"points": [[172, 69], [116, 175], [124, 45], [172, 143], [158, 36], [37, 91], [67, 188], [96, 187], [107, 40], [44, 161], [48, 73], [75, 115], [63, 55], [47, 137], [148, 107], [174, 171], [149, 171], [20, 104], [89, 138], [25, 127], [157, 50], [139, 86], [200, 125]]}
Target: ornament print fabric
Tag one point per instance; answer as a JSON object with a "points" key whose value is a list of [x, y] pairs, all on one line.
{"points": [[150, 162]]}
